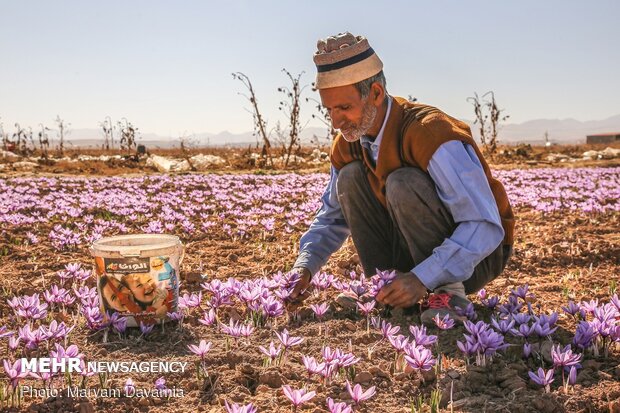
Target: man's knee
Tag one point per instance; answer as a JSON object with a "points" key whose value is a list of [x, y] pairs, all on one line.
{"points": [[352, 174], [403, 183]]}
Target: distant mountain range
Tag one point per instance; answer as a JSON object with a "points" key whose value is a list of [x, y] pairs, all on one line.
{"points": [[566, 131]]}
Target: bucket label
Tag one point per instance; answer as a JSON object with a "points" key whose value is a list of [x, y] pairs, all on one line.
{"points": [[126, 265], [143, 289]]}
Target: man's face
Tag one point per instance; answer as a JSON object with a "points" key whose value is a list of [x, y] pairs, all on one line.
{"points": [[142, 287], [349, 113], [111, 297]]}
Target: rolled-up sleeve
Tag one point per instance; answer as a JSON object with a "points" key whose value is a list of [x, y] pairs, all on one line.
{"points": [[464, 189]]}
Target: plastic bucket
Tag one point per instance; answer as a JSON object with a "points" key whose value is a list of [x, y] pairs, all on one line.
{"points": [[138, 276]]}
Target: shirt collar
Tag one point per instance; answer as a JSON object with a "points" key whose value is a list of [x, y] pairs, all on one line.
{"points": [[366, 141]]}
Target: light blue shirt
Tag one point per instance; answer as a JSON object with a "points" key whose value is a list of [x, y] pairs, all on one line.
{"points": [[463, 188]]}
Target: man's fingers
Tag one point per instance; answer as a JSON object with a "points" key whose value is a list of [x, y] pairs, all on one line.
{"points": [[396, 298], [384, 292]]}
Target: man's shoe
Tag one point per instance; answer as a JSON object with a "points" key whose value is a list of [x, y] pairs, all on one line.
{"points": [[440, 304]]}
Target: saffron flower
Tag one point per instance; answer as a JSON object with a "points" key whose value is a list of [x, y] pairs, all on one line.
{"points": [[312, 366], [542, 378], [419, 358], [564, 357], [297, 397], [201, 349], [14, 372], [444, 323], [235, 408], [340, 407], [272, 352], [358, 394], [288, 341], [130, 388], [146, 328], [420, 337], [320, 309]]}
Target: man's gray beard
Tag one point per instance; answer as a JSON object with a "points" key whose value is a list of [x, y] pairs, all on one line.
{"points": [[368, 119]]}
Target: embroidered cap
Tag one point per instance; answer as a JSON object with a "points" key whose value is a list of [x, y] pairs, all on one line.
{"points": [[343, 60]]}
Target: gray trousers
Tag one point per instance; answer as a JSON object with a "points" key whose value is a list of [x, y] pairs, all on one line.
{"points": [[415, 223]]}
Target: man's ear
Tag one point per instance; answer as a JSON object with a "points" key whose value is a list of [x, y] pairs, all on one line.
{"points": [[377, 94]]}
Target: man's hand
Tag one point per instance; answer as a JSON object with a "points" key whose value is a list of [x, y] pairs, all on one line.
{"points": [[300, 292], [404, 291]]}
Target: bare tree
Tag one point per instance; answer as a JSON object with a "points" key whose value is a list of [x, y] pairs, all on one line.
{"points": [[128, 135], [4, 136], [260, 126], [324, 118], [488, 122], [19, 140], [44, 142], [291, 106], [108, 133], [62, 130]]}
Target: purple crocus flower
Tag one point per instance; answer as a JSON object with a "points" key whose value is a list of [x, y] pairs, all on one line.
{"points": [[235, 408], [491, 302], [201, 349], [272, 352], [503, 325], [312, 366], [564, 357], [288, 341], [589, 306], [5, 333], [512, 306], [524, 331], [521, 318], [527, 350], [399, 342], [542, 378], [146, 328], [420, 337], [366, 308], [616, 302], [14, 372], [543, 330], [188, 301], [444, 323], [388, 330], [13, 343], [572, 308], [358, 394], [468, 347], [130, 388], [340, 407], [419, 358], [322, 281], [584, 335], [118, 323], [572, 376], [320, 309], [522, 292], [469, 312], [208, 318], [237, 329], [297, 397]]}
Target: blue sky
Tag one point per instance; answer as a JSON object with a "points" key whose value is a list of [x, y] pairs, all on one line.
{"points": [[166, 66]]}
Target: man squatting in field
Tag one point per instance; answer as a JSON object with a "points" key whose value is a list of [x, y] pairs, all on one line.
{"points": [[410, 186]]}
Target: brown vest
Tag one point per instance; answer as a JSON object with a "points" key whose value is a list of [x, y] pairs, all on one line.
{"points": [[412, 135]]}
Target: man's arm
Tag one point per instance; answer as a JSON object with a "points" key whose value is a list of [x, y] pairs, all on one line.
{"points": [[325, 236], [463, 187]]}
